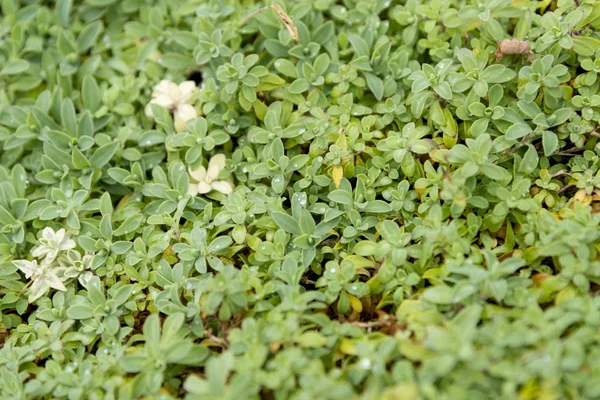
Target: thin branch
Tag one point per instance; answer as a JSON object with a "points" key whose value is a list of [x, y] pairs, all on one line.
{"points": [[221, 341], [287, 21], [372, 324], [565, 188], [254, 14], [562, 172]]}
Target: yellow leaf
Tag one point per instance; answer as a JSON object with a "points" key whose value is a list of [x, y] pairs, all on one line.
{"points": [[341, 142], [567, 293], [260, 109], [359, 261], [529, 391], [347, 347], [582, 197], [355, 303], [338, 174], [123, 201]]}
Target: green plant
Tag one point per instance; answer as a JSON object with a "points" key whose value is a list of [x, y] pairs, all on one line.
{"points": [[331, 199]]}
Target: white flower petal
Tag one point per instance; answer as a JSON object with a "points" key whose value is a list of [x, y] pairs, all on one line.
{"points": [[184, 113], [166, 88], [48, 233], [215, 165], [40, 251], [186, 91], [50, 256], [193, 189], [204, 188], [85, 278], [27, 267], [222, 186], [164, 101], [174, 93], [37, 290], [67, 244], [59, 236], [162, 88], [54, 281], [148, 110], [199, 174]]}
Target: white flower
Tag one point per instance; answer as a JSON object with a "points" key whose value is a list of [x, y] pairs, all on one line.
{"points": [[51, 243], [175, 98], [43, 278], [205, 180]]}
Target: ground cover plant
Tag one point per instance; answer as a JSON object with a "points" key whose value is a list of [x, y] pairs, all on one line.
{"points": [[307, 199]]}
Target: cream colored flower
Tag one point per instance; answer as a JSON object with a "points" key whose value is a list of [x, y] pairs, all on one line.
{"points": [[205, 180], [42, 276], [175, 98], [52, 243]]}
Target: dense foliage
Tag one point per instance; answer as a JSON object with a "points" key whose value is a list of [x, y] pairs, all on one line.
{"points": [[320, 199]]}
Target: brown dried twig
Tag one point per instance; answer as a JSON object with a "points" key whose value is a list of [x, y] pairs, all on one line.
{"points": [[514, 46], [287, 21]]}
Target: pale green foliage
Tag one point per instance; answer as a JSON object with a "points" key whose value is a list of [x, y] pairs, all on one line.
{"points": [[195, 203]]}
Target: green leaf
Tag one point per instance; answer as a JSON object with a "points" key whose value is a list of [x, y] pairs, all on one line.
{"points": [[377, 206], [375, 84], [286, 222], [299, 86], [14, 67], [88, 36], [585, 45], [311, 339], [220, 243], [549, 142], [68, 117], [90, 94], [360, 46], [341, 196], [517, 131], [176, 61], [495, 172], [80, 312], [62, 9], [103, 154], [130, 225]]}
